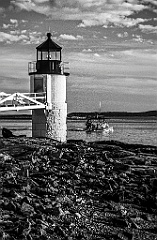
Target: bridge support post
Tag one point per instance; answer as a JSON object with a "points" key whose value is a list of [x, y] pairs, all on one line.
{"points": [[38, 123]]}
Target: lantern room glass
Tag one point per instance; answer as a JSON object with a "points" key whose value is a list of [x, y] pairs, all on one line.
{"points": [[49, 55]]}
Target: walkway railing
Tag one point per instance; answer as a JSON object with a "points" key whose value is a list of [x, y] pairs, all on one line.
{"points": [[22, 101], [27, 101]]}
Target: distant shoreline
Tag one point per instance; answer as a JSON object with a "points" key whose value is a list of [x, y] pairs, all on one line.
{"points": [[85, 115], [102, 115], [17, 116]]}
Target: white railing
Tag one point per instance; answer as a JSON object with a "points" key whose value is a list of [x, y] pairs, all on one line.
{"points": [[22, 101], [37, 96], [27, 101]]}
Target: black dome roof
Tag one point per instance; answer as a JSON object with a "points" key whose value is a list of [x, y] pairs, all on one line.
{"points": [[49, 45]]}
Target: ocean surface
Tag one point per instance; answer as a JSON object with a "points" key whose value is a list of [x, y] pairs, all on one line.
{"points": [[141, 131]]}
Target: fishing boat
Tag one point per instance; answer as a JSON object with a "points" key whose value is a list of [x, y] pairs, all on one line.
{"points": [[94, 125], [106, 128]]}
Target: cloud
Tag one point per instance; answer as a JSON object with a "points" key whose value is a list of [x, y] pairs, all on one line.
{"points": [[70, 37], [139, 57], [141, 62], [148, 28], [96, 55], [111, 18], [6, 26], [89, 12], [150, 3], [13, 24], [23, 37], [137, 38], [122, 35], [150, 41], [15, 32], [24, 21], [23, 31], [9, 38], [41, 1], [87, 50]]}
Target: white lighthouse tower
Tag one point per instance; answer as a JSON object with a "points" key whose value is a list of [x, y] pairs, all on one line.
{"points": [[48, 78]]}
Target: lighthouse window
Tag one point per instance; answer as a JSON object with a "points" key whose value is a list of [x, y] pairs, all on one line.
{"points": [[45, 55], [38, 85], [49, 56]]}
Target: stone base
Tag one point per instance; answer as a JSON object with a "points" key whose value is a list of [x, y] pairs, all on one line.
{"points": [[56, 126], [50, 124]]}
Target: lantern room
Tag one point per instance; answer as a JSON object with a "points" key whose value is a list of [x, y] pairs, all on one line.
{"points": [[49, 50], [49, 59]]}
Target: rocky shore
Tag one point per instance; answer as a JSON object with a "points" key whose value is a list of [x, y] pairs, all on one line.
{"points": [[77, 190]]}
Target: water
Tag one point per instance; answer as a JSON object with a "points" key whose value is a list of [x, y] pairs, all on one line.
{"points": [[142, 131], [18, 126], [126, 130]]}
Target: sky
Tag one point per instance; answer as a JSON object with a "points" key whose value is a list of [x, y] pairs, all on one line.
{"points": [[111, 47]]}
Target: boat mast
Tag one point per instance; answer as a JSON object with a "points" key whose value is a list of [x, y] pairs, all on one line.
{"points": [[99, 107]]}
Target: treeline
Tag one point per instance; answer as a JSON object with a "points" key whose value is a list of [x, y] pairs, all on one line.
{"points": [[111, 114], [84, 115]]}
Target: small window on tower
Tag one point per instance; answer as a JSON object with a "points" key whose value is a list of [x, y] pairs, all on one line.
{"points": [[38, 85]]}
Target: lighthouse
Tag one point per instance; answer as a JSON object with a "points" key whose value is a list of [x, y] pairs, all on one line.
{"points": [[48, 76]]}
